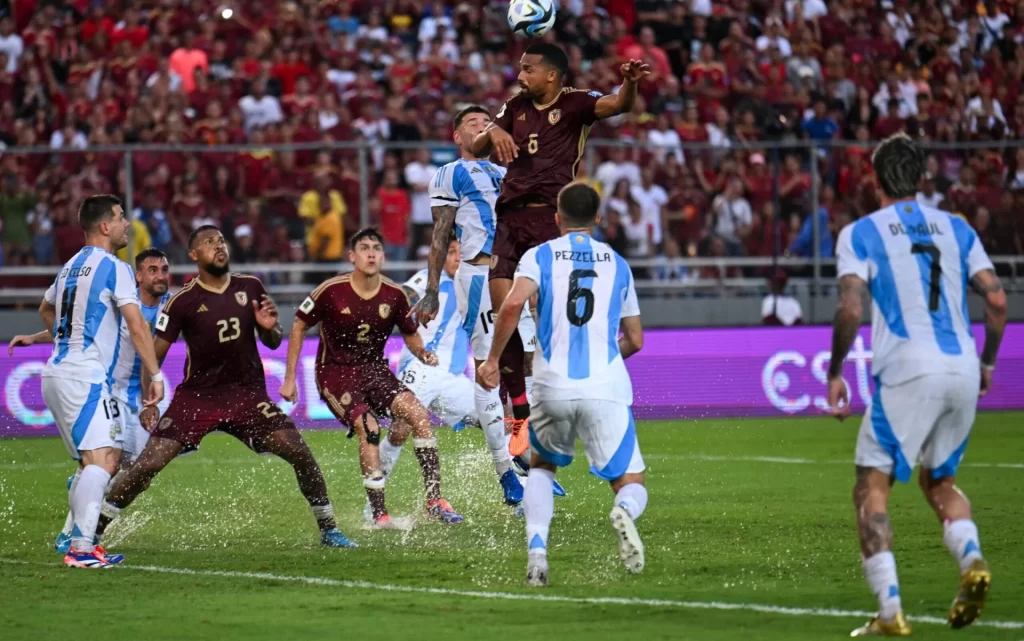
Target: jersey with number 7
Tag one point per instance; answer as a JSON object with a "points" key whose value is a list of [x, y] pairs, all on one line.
{"points": [[584, 290], [917, 262], [220, 334]]}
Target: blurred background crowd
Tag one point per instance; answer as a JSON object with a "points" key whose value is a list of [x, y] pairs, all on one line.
{"points": [[737, 78]]}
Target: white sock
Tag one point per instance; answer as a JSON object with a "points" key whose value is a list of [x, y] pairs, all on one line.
{"points": [[529, 388], [540, 508], [961, 538], [85, 503], [69, 522], [880, 572], [492, 418], [633, 499], [389, 454]]}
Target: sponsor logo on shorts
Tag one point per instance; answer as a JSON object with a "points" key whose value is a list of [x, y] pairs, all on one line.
{"points": [[164, 424], [384, 310], [242, 298], [555, 116], [346, 398]]}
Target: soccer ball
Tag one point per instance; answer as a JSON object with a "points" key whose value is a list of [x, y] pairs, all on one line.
{"points": [[531, 18]]}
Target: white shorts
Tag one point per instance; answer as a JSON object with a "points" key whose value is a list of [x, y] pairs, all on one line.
{"points": [[86, 416], [606, 428], [473, 298], [448, 396], [135, 436], [927, 419]]}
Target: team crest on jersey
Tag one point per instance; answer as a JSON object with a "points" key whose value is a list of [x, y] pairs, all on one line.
{"points": [[554, 116], [346, 398], [163, 424], [242, 298], [384, 310]]}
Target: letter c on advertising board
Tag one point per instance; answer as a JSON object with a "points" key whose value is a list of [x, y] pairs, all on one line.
{"points": [[775, 381], [12, 391]]}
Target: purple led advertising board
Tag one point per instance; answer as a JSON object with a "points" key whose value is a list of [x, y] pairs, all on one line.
{"points": [[679, 374]]}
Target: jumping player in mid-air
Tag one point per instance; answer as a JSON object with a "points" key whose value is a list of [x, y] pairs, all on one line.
{"points": [[220, 315], [917, 262], [356, 313], [540, 135]]}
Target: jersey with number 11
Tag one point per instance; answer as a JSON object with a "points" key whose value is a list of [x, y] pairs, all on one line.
{"points": [[917, 262], [585, 289]]}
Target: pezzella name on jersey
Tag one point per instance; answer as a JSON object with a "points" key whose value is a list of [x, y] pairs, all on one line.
{"points": [[924, 229], [584, 257]]}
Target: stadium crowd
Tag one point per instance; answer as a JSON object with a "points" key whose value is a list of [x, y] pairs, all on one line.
{"points": [[734, 75]]}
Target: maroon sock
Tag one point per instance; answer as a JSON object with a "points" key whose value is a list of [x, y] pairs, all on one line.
{"points": [[514, 377]]}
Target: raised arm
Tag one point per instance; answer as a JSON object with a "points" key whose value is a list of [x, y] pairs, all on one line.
{"points": [[986, 284], [427, 307], [268, 327], [622, 102]]}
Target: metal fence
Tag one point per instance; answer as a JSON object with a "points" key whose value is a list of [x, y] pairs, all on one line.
{"points": [[140, 173]]}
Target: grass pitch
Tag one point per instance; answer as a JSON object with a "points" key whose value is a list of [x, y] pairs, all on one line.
{"points": [[749, 535]]}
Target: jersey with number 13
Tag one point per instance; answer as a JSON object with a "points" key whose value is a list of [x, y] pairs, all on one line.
{"points": [[584, 290]]}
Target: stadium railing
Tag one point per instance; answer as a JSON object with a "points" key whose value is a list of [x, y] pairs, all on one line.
{"points": [[290, 280]]}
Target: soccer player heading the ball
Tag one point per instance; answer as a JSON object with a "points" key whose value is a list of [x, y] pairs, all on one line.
{"points": [[539, 134]]}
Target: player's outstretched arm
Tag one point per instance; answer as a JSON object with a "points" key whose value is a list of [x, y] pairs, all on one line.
{"points": [[427, 307], [415, 344], [632, 339], [622, 102], [40, 337], [844, 331], [504, 326], [142, 340], [497, 139], [289, 390], [987, 285]]}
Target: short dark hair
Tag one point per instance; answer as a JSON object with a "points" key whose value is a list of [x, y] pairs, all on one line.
{"points": [[371, 233], [578, 203], [472, 109], [149, 252], [198, 230], [552, 55], [899, 164], [96, 209]]}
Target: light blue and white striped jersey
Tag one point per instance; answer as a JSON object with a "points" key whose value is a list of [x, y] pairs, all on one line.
{"points": [[88, 294], [584, 290], [472, 186], [128, 371], [917, 262], [445, 335]]}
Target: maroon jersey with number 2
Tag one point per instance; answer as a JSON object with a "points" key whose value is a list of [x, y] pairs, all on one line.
{"points": [[550, 139], [224, 387], [352, 374]]}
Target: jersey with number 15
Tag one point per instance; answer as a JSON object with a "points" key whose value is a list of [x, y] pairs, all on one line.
{"points": [[585, 289], [917, 262]]}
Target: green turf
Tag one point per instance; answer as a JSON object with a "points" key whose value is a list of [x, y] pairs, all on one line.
{"points": [[718, 528]]}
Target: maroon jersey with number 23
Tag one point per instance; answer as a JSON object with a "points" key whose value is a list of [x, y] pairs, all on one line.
{"points": [[353, 329], [220, 334], [550, 139]]}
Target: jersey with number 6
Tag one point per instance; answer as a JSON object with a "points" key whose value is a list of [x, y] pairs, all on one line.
{"points": [[917, 262], [353, 329], [585, 289], [220, 333]]}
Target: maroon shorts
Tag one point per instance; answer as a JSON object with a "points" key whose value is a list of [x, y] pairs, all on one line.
{"points": [[353, 391], [516, 232], [247, 414]]}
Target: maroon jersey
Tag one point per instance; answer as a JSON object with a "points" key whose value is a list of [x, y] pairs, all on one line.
{"points": [[550, 140], [220, 334], [353, 329]]}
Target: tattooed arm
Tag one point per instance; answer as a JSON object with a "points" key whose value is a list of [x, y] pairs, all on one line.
{"points": [[986, 284], [444, 218], [844, 331]]}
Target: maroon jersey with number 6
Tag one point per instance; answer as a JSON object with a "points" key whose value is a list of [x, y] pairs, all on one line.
{"points": [[550, 140], [220, 334], [353, 329]]}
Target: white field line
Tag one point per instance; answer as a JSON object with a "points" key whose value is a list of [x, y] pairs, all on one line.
{"points": [[544, 598], [470, 456]]}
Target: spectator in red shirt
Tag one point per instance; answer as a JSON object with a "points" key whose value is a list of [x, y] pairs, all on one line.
{"points": [[395, 216], [186, 59]]}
